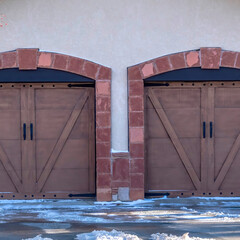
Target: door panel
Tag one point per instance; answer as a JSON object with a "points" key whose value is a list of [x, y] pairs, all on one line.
{"points": [[54, 154], [10, 140], [173, 139], [227, 138], [177, 153], [66, 130]]}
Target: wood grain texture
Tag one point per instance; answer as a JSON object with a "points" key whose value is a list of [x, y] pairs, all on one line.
{"points": [[175, 140], [227, 164], [10, 171], [211, 159], [61, 141]]}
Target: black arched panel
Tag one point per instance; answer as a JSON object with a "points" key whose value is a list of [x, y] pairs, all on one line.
{"points": [[197, 74], [14, 75]]}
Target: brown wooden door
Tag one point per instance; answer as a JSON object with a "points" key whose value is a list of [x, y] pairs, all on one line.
{"points": [[47, 141], [226, 130], [173, 138], [193, 138], [11, 117]]}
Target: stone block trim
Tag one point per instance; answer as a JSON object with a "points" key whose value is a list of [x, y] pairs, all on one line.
{"points": [[9, 60], [205, 58], [120, 176], [27, 59], [31, 59], [211, 58]]}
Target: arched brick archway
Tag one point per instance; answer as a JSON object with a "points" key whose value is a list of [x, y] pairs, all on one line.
{"points": [[205, 58], [31, 59]]}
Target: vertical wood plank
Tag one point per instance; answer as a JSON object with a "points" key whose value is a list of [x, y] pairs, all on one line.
{"points": [[210, 172], [91, 140], [204, 141], [24, 120], [145, 139], [31, 158]]}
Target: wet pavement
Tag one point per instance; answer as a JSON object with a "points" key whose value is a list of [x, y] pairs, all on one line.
{"points": [[211, 218]]}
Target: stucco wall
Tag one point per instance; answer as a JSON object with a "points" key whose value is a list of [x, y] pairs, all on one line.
{"points": [[119, 34]]}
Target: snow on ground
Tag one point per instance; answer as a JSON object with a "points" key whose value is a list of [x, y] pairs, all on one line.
{"points": [[104, 235], [141, 211], [185, 236], [39, 237], [118, 235]]}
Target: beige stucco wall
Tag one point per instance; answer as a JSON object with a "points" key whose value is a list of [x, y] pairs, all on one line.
{"points": [[119, 34]]}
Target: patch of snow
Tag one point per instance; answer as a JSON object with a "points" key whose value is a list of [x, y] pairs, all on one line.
{"points": [[171, 204], [56, 216], [185, 236], [117, 151], [188, 209], [156, 212], [221, 214], [208, 204], [104, 235], [217, 198], [131, 203], [220, 217], [38, 237]]}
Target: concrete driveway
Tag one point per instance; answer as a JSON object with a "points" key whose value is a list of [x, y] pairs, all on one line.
{"points": [[158, 219]]}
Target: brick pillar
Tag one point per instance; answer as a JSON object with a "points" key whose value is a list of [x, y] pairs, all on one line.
{"points": [[136, 132], [103, 138], [120, 176]]}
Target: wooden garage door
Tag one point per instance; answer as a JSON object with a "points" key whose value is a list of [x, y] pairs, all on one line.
{"points": [[46, 141], [192, 139]]}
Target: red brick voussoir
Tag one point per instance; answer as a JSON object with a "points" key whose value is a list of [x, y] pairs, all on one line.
{"points": [[32, 59], [205, 58]]}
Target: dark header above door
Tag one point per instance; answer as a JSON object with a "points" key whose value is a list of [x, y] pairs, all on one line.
{"points": [[41, 75], [198, 74]]}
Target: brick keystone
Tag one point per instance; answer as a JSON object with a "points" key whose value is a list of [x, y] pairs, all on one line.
{"points": [[27, 59], [210, 58]]}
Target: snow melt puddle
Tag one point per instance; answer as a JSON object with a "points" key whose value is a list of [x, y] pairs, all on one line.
{"points": [[118, 235]]}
